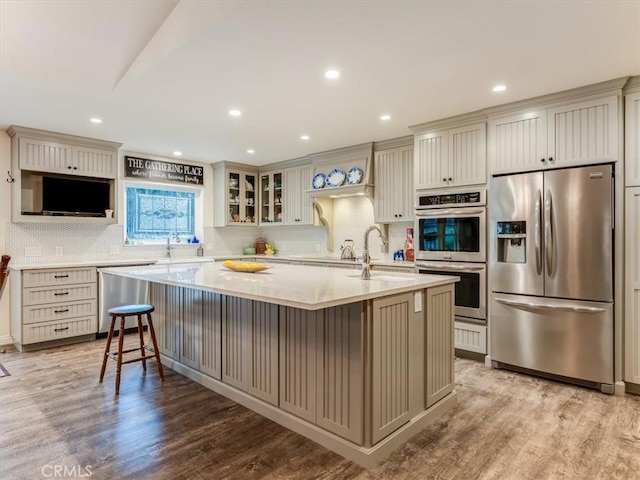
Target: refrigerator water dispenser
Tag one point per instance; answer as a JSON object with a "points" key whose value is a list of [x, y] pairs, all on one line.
{"points": [[512, 242]]}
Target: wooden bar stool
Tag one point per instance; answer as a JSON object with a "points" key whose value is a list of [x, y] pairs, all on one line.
{"points": [[123, 312]]}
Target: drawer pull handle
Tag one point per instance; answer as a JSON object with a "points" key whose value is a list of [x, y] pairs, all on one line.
{"points": [[62, 293], [61, 276], [60, 329], [61, 311]]}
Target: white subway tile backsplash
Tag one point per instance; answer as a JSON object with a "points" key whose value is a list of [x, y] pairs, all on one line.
{"points": [[34, 243]]}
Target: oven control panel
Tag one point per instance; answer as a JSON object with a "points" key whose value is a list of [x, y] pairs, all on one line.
{"points": [[451, 199]]}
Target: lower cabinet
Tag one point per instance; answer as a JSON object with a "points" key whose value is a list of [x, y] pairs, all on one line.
{"points": [[250, 347], [53, 304], [188, 327], [439, 349], [360, 371], [632, 293]]}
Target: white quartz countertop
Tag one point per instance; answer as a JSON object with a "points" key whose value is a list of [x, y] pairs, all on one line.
{"points": [[320, 259], [306, 287]]}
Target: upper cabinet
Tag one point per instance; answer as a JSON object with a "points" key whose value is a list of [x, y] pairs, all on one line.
{"points": [[298, 207], [561, 135], [450, 157], [235, 195], [393, 173], [271, 200], [38, 157], [41, 152], [632, 139]]}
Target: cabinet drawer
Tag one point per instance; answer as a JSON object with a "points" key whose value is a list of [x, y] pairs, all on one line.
{"points": [[471, 337], [42, 295], [44, 331], [58, 311], [58, 276]]}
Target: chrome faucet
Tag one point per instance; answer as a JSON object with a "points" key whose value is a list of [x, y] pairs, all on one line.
{"points": [[168, 247], [366, 259]]}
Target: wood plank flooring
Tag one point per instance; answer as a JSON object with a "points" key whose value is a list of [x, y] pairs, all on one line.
{"points": [[55, 413]]}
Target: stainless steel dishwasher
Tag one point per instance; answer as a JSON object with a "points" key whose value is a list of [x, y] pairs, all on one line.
{"points": [[116, 290]]}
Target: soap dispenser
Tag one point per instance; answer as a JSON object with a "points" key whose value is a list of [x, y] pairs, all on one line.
{"points": [[200, 251]]}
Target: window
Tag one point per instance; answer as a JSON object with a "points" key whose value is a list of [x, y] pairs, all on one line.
{"points": [[155, 213]]}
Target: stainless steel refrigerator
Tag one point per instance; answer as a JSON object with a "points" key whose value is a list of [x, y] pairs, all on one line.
{"points": [[551, 273]]}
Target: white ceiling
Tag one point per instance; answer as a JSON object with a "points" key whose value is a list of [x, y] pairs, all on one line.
{"points": [[163, 74]]}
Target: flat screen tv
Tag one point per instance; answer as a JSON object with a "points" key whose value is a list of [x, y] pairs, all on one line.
{"points": [[71, 196]]}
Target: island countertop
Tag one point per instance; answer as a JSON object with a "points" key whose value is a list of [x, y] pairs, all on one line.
{"points": [[300, 286]]}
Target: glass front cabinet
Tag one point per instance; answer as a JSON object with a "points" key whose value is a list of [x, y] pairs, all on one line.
{"points": [[236, 196], [271, 192]]}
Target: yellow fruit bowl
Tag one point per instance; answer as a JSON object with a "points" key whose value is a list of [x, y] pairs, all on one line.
{"points": [[247, 267]]}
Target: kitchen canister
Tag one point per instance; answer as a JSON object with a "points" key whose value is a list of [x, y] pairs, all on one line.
{"points": [[261, 246]]}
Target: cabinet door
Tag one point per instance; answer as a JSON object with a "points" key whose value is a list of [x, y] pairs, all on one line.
{"points": [[44, 156], [250, 347], [518, 143], [298, 207], [439, 341], [431, 162], [394, 185], [271, 192], [241, 198], [306, 216], [385, 172], [95, 162], [191, 329], [632, 314], [340, 372], [392, 318], [298, 362], [166, 316], [211, 346], [468, 155], [262, 352], [632, 140], [583, 133]]}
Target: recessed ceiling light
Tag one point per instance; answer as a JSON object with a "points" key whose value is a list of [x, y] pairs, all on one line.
{"points": [[251, 150], [332, 74], [304, 137], [235, 113], [499, 88], [385, 117], [177, 154], [96, 120]]}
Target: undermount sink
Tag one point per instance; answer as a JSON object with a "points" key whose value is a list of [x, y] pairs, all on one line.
{"points": [[379, 277]]}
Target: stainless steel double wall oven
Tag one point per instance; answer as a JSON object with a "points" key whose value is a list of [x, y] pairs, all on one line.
{"points": [[450, 239]]}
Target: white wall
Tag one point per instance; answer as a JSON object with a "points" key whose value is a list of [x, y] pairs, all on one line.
{"points": [[88, 243], [5, 219]]}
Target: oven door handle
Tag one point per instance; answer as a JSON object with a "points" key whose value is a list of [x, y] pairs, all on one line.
{"points": [[451, 267], [439, 213]]}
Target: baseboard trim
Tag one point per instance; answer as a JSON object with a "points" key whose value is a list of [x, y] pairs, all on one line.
{"points": [[365, 457], [6, 340]]}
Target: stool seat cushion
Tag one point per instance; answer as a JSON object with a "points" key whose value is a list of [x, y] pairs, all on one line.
{"points": [[131, 309]]}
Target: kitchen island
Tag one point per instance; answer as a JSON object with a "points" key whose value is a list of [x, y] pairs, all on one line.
{"points": [[357, 366]]}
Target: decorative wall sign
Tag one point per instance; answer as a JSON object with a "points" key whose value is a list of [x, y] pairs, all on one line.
{"points": [[160, 171]]}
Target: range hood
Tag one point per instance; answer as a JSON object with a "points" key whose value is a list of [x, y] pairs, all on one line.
{"points": [[344, 160]]}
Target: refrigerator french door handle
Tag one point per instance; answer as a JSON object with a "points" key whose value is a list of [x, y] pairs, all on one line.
{"points": [[548, 232], [544, 306], [537, 234]]}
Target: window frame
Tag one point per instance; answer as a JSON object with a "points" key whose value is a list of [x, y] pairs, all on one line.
{"points": [[198, 210]]}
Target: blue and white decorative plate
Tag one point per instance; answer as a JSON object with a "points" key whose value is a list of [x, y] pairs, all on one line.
{"points": [[335, 178], [318, 181], [354, 176]]}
